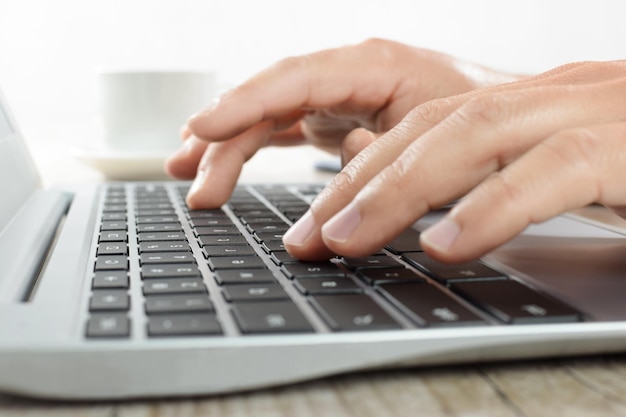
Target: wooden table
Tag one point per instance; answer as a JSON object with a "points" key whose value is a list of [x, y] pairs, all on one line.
{"points": [[588, 387]]}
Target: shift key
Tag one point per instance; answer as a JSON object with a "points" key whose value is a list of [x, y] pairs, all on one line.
{"points": [[513, 302]]}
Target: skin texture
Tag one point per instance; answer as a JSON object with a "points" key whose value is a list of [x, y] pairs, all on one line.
{"points": [[417, 129]]}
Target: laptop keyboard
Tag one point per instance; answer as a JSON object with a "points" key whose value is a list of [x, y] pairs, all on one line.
{"points": [[161, 270]]}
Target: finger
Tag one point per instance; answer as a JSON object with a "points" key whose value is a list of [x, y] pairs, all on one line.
{"points": [[184, 162], [295, 136], [304, 239], [292, 136], [482, 136], [330, 135], [221, 165], [185, 132], [569, 170], [319, 80], [355, 142]]}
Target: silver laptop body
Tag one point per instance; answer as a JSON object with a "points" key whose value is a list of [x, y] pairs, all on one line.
{"points": [[65, 334]]}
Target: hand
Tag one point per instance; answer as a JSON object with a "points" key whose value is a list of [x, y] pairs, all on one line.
{"points": [[518, 153], [340, 99]]}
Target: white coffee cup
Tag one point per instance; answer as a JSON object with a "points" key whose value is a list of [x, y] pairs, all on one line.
{"points": [[143, 111]]}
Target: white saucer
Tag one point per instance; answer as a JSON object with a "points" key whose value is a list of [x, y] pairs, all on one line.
{"points": [[123, 166]]}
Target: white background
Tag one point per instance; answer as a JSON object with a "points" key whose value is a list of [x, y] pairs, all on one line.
{"points": [[50, 49]]}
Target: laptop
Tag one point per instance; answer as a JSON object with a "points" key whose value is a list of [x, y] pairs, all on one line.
{"points": [[118, 291]]}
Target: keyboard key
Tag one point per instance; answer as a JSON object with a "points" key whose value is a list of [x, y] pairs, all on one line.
{"points": [[269, 236], [113, 226], [236, 262], [114, 217], [268, 228], [513, 302], [212, 222], [145, 219], [155, 205], [283, 258], [155, 213], [114, 208], [322, 285], [375, 261], [310, 189], [216, 251], [312, 269], [274, 246], [113, 236], [427, 305], [248, 276], [163, 304], [114, 200], [109, 300], [171, 246], [384, 276], [112, 248], [161, 236], [183, 325], [254, 292], [165, 227], [169, 271], [294, 215], [447, 273], [206, 214], [296, 203], [111, 279], [261, 212], [407, 241], [253, 205], [174, 286], [112, 325], [222, 240], [270, 317], [166, 258], [216, 230], [111, 262], [258, 221], [353, 312]]}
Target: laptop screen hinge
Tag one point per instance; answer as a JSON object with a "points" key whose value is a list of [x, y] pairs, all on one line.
{"points": [[26, 242]]}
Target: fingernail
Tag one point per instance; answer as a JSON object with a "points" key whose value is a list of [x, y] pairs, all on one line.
{"points": [[343, 224], [441, 235], [300, 231]]}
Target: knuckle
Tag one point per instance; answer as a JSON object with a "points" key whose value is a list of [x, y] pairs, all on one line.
{"points": [[575, 148], [586, 152], [344, 183], [394, 175], [430, 113], [484, 109], [376, 43], [292, 63], [502, 188], [385, 52], [402, 177], [354, 143]]}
